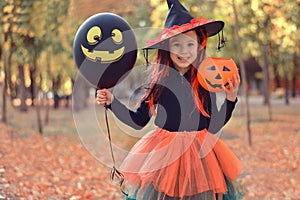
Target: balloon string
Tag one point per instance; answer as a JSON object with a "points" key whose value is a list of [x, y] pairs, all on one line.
{"points": [[109, 136], [114, 172]]}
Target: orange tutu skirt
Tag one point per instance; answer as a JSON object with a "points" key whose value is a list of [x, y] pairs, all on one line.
{"points": [[178, 164]]}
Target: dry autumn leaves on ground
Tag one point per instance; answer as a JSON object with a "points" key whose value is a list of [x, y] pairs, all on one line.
{"points": [[58, 166]]}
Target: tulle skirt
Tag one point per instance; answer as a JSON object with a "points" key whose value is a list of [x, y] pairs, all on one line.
{"points": [[179, 165]]}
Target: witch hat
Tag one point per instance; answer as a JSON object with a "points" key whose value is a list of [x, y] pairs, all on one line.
{"points": [[179, 20]]}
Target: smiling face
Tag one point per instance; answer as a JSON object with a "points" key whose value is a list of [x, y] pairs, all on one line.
{"points": [[105, 49], [183, 50], [215, 72], [94, 37]]}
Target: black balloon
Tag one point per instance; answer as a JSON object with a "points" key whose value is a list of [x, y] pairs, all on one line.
{"points": [[104, 49]]}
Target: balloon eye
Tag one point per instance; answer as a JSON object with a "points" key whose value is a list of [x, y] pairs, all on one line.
{"points": [[94, 35], [212, 68], [117, 36], [225, 69]]}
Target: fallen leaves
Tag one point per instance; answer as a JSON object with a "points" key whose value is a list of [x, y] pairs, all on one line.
{"points": [[271, 164], [59, 167], [51, 167]]}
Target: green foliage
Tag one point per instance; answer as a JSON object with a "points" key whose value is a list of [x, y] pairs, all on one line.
{"points": [[33, 28], [42, 31], [274, 23]]}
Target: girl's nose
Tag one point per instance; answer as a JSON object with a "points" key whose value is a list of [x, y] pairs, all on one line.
{"points": [[184, 49]]}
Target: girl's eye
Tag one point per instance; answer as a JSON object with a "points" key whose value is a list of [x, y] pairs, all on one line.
{"points": [[176, 44], [191, 44]]}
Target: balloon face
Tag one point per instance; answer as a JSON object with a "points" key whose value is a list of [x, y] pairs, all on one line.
{"points": [[104, 56], [214, 72], [104, 49]]}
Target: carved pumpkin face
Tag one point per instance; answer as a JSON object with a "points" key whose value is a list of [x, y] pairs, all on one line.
{"points": [[214, 72], [104, 49]]}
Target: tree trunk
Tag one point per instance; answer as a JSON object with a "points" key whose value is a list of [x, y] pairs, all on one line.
{"points": [[286, 88], [286, 62], [48, 64], [23, 106], [10, 85], [275, 59], [266, 76], [294, 82], [4, 106], [276, 76], [56, 85], [266, 80], [0, 53], [294, 78], [47, 111], [32, 86], [243, 71], [36, 89]]}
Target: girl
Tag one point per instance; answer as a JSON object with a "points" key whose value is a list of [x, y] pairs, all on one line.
{"points": [[182, 159]]}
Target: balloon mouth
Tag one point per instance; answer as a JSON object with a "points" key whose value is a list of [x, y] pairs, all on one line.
{"points": [[103, 56]]}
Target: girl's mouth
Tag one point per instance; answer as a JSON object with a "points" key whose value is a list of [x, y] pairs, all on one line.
{"points": [[185, 59]]}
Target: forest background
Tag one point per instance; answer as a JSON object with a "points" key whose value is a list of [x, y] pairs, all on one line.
{"points": [[38, 72]]}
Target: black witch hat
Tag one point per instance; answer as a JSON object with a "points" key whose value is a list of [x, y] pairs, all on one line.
{"points": [[179, 20]]}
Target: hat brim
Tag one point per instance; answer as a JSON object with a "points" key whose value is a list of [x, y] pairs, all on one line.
{"points": [[211, 28]]}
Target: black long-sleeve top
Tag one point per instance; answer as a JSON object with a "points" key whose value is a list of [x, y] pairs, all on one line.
{"points": [[176, 108]]}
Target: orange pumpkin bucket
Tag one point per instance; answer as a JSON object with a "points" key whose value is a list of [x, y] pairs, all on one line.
{"points": [[214, 72]]}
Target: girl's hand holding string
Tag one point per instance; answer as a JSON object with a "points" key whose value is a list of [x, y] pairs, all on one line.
{"points": [[232, 92], [104, 97]]}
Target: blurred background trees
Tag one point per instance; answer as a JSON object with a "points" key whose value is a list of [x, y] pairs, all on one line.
{"points": [[36, 63]]}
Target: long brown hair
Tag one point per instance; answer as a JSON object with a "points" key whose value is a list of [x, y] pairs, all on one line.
{"points": [[160, 69]]}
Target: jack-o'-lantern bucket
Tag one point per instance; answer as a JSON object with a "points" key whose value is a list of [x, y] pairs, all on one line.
{"points": [[214, 72]]}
